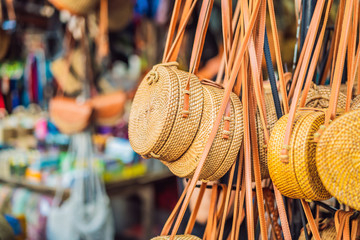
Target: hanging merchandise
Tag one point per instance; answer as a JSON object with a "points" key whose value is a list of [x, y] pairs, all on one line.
{"points": [[79, 7], [291, 150], [184, 113], [86, 213]]}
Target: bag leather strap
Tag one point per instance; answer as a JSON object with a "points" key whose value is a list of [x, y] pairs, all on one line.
{"points": [[308, 46], [103, 41], [311, 220], [192, 220]]}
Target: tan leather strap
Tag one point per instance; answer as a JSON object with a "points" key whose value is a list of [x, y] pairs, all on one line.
{"points": [[354, 57], [227, 200], [241, 213], [169, 222], [199, 40], [212, 212], [308, 51], [237, 193], [192, 220], [103, 48], [355, 228], [278, 55], [331, 113], [10, 9], [225, 99], [311, 220]]}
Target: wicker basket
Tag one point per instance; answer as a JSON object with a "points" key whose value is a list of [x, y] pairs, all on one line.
{"points": [[338, 159], [298, 178], [327, 230], [177, 237], [223, 151], [78, 7], [319, 96], [355, 105], [156, 127]]}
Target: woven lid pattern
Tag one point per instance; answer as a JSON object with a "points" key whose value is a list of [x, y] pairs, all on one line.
{"points": [[338, 159], [319, 97], [177, 237], [355, 105], [153, 110]]}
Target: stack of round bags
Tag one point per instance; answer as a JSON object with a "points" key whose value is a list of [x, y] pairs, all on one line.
{"points": [[160, 128]]}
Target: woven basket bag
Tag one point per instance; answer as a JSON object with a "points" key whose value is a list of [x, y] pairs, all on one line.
{"points": [[338, 159], [78, 7], [271, 120], [327, 230], [157, 127], [319, 96], [355, 103], [177, 237], [120, 14], [298, 178], [223, 151]]}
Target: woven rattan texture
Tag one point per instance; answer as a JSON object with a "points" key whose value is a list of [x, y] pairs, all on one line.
{"points": [[327, 230], [177, 237], [319, 96], [78, 7], [355, 105], [271, 120], [237, 138], [303, 155], [185, 166], [338, 159], [153, 111], [184, 129]]}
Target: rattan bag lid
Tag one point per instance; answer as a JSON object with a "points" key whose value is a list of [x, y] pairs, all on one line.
{"points": [[319, 97], [153, 110], [338, 159], [355, 105], [157, 127]]}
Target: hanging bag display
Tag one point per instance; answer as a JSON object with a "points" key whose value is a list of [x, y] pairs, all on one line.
{"points": [[291, 150], [78, 7], [168, 105], [338, 150]]}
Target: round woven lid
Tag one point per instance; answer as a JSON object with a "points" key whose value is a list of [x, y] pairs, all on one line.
{"points": [[338, 159], [262, 148], [184, 129], [185, 166], [236, 136], [154, 109], [355, 105], [319, 97], [178, 237], [298, 178]]}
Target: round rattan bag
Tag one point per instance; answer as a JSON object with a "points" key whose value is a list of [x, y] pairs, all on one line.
{"points": [[355, 105], [338, 159], [298, 178], [178, 237], [157, 127], [120, 14], [319, 97], [271, 120], [78, 7], [223, 151]]}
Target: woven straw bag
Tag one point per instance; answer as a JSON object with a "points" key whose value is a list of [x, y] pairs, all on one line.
{"points": [[337, 158], [78, 7], [223, 151], [178, 237], [157, 127], [271, 120], [298, 178], [355, 103], [319, 97], [327, 230]]}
